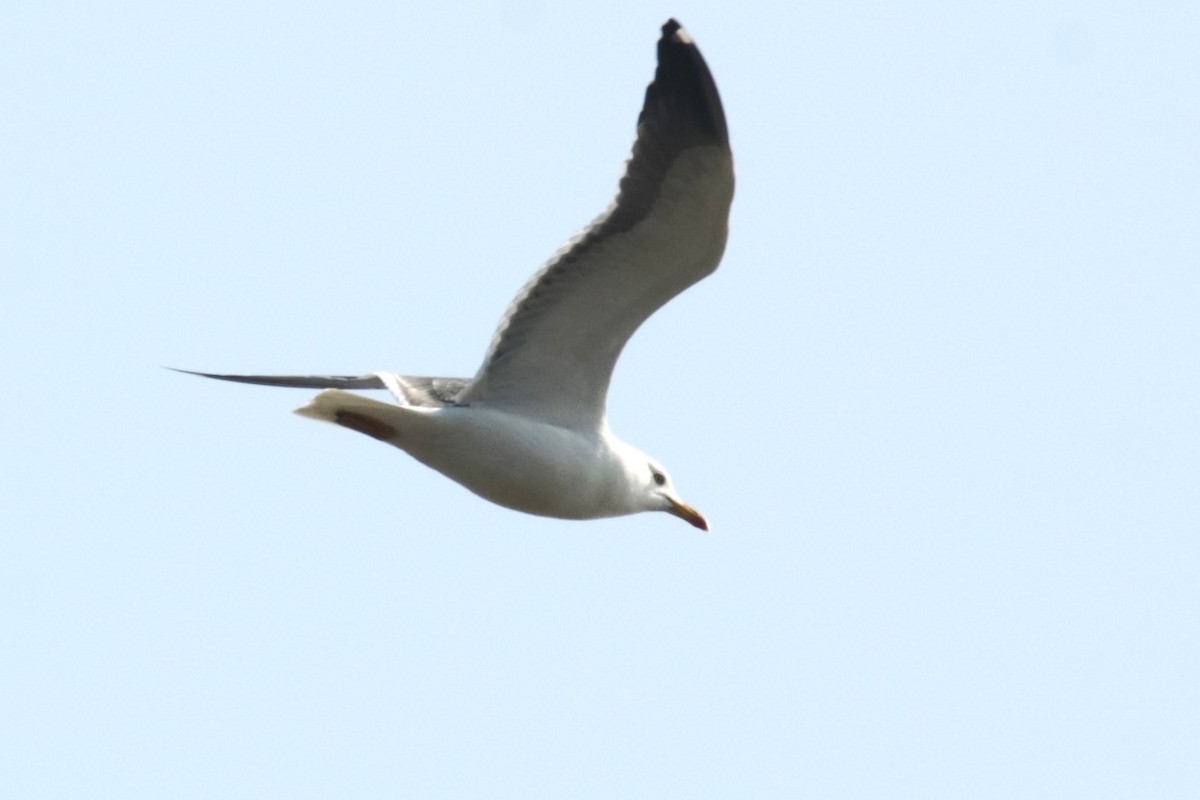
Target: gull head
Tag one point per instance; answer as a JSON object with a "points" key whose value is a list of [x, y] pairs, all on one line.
{"points": [[650, 484]]}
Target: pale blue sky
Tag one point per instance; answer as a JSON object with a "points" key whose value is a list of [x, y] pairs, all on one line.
{"points": [[941, 404]]}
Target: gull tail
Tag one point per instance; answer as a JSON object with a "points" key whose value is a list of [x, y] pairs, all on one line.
{"points": [[371, 417]]}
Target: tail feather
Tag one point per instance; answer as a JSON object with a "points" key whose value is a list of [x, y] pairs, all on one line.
{"points": [[371, 417]]}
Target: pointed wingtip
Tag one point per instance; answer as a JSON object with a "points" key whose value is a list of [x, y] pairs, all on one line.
{"points": [[683, 76], [373, 381], [197, 374], [673, 29]]}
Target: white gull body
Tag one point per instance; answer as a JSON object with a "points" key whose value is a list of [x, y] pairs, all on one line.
{"points": [[529, 430]]}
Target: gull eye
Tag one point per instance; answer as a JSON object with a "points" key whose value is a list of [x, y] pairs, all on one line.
{"points": [[659, 478]]}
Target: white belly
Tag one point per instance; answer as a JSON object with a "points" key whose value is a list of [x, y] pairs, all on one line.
{"points": [[514, 462]]}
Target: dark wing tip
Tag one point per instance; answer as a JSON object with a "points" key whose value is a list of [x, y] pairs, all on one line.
{"points": [[295, 381], [683, 93], [682, 110]]}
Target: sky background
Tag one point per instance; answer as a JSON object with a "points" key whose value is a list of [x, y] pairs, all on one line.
{"points": [[941, 404]]}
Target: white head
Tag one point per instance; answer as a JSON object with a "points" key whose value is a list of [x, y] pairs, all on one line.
{"points": [[663, 493], [651, 489]]}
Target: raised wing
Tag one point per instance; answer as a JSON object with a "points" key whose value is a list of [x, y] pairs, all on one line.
{"points": [[553, 354]]}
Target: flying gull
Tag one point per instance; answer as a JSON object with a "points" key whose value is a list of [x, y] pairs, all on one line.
{"points": [[529, 431]]}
